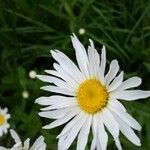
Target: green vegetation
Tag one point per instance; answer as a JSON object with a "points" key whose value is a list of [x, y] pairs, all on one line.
{"points": [[30, 28]]}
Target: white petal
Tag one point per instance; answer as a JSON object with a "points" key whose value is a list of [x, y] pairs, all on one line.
{"points": [[73, 133], [130, 83], [55, 99], [116, 105], [110, 123], [103, 59], [98, 144], [26, 143], [102, 135], [17, 146], [3, 148], [15, 136], [94, 131], [38, 143], [61, 141], [62, 120], [56, 114], [130, 95], [53, 72], [67, 65], [127, 131], [116, 82], [59, 90], [100, 75], [81, 55], [118, 144], [60, 105], [72, 123], [95, 124], [63, 75], [94, 59], [113, 70], [58, 82], [126, 118], [84, 133], [94, 142]]}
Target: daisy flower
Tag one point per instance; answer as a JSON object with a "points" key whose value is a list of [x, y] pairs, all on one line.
{"points": [[88, 99], [39, 144], [4, 116]]}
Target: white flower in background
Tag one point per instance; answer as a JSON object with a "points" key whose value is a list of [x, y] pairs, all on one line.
{"points": [[32, 74], [25, 94], [81, 31], [4, 116], [39, 144], [90, 99]]}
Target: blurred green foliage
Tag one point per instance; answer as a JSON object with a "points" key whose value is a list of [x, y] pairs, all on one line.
{"points": [[30, 28]]}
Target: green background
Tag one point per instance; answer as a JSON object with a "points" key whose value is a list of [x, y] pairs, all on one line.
{"points": [[30, 28]]}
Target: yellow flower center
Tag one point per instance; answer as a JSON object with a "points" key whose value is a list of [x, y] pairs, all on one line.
{"points": [[92, 96], [2, 119]]}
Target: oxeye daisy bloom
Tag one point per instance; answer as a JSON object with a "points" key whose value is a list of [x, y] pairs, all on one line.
{"points": [[39, 144], [88, 98], [4, 125]]}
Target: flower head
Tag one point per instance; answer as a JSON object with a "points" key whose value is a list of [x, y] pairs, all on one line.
{"points": [[4, 116], [25, 94], [39, 144], [88, 98], [81, 31], [32, 74]]}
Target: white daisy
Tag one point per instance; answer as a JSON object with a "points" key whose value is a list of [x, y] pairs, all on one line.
{"points": [[4, 116], [88, 99], [39, 144]]}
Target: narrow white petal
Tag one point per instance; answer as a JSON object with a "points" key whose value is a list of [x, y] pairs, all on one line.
{"points": [[58, 82], [130, 95], [110, 123], [95, 124], [118, 144], [84, 133], [102, 135], [17, 146], [59, 90], [127, 131], [94, 142], [100, 75], [103, 60], [67, 65], [98, 144], [60, 73], [73, 133], [7, 116], [116, 82], [130, 83], [62, 120], [38, 143], [81, 55], [61, 141], [55, 114], [94, 60], [60, 105], [116, 105], [26, 143], [53, 72], [126, 118], [3, 148], [15, 136], [91, 66], [55, 99], [113, 70], [72, 123], [94, 131]]}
